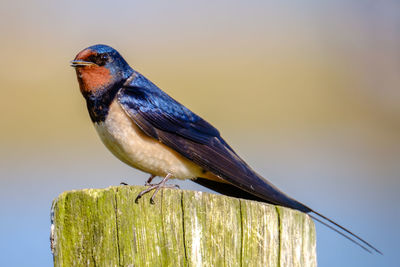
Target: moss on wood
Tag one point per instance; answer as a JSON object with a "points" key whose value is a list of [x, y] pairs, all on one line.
{"points": [[104, 227]]}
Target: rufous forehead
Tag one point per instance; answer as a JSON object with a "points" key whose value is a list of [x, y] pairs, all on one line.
{"points": [[84, 54]]}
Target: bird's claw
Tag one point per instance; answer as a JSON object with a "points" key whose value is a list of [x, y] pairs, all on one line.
{"points": [[155, 187]]}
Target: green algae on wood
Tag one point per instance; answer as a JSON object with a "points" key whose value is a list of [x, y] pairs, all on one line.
{"points": [[105, 227]]}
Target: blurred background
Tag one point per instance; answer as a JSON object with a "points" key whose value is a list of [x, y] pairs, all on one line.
{"points": [[306, 92]]}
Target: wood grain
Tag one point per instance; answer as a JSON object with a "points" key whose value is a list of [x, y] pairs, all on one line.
{"points": [[105, 227]]}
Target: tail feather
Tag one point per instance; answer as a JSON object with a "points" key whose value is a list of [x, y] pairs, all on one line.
{"points": [[340, 233], [344, 229], [233, 191]]}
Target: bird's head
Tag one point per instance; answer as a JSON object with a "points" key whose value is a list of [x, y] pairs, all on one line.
{"points": [[98, 68]]}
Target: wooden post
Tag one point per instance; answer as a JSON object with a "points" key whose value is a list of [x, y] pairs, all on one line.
{"points": [[104, 227]]}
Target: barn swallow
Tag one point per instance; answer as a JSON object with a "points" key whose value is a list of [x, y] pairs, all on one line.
{"points": [[149, 130]]}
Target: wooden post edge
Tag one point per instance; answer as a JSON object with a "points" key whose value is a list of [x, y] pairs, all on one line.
{"points": [[105, 227]]}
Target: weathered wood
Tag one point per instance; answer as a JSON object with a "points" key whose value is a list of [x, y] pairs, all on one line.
{"points": [[104, 227]]}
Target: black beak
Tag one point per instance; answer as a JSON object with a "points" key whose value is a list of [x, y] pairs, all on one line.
{"points": [[81, 63]]}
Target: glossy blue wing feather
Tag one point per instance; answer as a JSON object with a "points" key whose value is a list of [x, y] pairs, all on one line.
{"points": [[163, 118], [167, 114]]}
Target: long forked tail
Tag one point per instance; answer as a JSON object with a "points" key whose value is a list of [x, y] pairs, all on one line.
{"points": [[233, 191], [356, 239]]}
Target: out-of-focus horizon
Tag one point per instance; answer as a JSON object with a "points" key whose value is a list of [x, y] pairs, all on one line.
{"points": [[307, 93]]}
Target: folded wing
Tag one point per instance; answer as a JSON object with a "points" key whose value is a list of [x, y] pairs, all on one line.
{"points": [[166, 120], [163, 118]]}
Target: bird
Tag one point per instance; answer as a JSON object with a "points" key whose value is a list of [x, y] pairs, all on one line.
{"points": [[147, 129]]}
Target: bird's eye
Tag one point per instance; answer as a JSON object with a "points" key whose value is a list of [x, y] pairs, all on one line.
{"points": [[99, 59]]}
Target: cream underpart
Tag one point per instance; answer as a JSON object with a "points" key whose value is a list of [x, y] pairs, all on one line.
{"points": [[131, 145]]}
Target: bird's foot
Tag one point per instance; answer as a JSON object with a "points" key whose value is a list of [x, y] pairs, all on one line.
{"points": [[156, 188], [148, 182]]}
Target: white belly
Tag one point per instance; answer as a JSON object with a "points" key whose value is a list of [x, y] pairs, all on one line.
{"points": [[127, 142]]}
